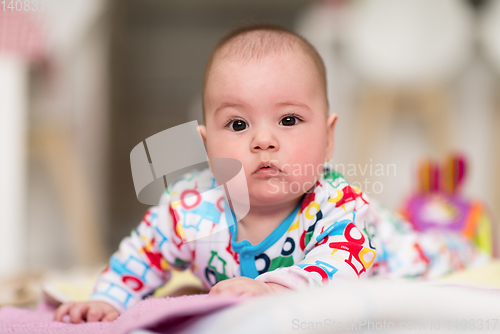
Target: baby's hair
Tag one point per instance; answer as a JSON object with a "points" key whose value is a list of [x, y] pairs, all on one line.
{"points": [[259, 40]]}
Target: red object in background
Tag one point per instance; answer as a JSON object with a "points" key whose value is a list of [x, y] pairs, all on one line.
{"points": [[22, 34]]}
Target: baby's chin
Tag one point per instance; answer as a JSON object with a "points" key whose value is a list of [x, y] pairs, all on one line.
{"points": [[268, 195]]}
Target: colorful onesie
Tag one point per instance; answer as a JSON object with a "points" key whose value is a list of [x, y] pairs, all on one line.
{"points": [[334, 233]]}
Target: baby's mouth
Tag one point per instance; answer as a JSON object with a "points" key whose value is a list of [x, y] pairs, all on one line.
{"points": [[266, 168]]}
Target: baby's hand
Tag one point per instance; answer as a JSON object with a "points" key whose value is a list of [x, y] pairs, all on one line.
{"points": [[244, 287], [89, 311]]}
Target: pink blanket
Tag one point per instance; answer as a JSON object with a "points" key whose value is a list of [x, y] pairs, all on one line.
{"points": [[166, 315]]}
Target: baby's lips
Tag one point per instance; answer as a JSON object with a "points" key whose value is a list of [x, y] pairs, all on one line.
{"points": [[268, 165]]}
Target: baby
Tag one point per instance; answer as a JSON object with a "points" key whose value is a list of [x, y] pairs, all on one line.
{"points": [[265, 105]]}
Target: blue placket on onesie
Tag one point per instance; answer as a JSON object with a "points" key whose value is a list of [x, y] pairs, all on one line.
{"points": [[245, 249]]}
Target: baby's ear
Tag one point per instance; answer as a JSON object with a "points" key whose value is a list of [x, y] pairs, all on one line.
{"points": [[330, 127], [203, 132]]}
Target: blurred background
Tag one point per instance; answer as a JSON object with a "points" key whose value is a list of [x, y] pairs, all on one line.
{"points": [[84, 81]]}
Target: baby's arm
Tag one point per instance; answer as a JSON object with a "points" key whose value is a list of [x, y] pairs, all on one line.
{"points": [[141, 265], [337, 246]]}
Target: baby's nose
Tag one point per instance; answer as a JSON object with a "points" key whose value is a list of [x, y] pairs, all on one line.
{"points": [[264, 147], [265, 141]]}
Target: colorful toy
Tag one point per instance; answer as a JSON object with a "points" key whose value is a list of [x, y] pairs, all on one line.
{"points": [[439, 204]]}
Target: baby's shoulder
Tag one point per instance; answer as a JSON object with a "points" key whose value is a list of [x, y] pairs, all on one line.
{"points": [[332, 182], [332, 205], [334, 196], [193, 183], [199, 180]]}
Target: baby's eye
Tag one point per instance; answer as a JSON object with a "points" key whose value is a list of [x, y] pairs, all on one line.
{"points": [[289, 120], [238, 125]]}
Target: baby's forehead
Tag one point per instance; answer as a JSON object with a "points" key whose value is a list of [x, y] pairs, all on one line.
{"points": [[254, 52], [260, 46], [236, 63]]}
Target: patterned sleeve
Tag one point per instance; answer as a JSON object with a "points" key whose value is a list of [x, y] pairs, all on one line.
{"points": [[337, 244], [144, 258]]}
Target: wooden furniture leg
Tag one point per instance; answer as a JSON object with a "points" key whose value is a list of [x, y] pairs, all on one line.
{"points": [[53, 145], [436, 113], [377, 110]]}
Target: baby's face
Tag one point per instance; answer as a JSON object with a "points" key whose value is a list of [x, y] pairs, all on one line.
{"points": [[269, 112]]}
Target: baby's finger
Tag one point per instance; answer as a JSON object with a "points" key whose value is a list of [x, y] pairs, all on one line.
{"points": [[218, 290], [211, 294], [221, 286], [77, 311], [111, 316], [94, 314], [248, 295], [62, 311], [215, 293], [232, 291]]}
